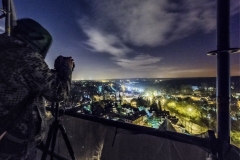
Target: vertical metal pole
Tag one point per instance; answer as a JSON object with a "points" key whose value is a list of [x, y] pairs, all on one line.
{"points": [[223, 70], [8, 18]]}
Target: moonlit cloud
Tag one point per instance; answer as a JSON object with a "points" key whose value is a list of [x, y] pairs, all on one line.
{"points": [[107, 43], [101, 42], [140, 62], [154, 22], [235, 7], [143, 23], [117, 27]]}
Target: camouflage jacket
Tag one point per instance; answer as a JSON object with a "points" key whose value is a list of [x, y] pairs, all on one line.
{"points": [[22, 72]]}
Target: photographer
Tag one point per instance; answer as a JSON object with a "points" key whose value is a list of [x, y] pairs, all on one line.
{"points": [[25, 80]]}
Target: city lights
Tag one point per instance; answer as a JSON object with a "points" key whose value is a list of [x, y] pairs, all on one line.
{"points": [[191, 112]]}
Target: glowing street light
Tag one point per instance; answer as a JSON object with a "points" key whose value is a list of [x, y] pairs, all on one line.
{"points": [[190, 110]]}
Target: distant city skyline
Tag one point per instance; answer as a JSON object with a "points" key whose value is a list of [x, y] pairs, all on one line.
{"points": [[112, 39]]}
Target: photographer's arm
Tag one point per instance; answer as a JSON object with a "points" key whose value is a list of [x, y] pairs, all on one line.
{"points": [[43, 80]]}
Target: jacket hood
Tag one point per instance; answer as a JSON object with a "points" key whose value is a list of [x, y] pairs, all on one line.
{"points": [[33, 34]]}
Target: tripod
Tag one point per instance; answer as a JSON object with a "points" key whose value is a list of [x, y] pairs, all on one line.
{"points": [[52, 135]]}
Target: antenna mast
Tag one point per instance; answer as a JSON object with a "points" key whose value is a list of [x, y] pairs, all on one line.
{"points": [[9, 14], [8, 18]]}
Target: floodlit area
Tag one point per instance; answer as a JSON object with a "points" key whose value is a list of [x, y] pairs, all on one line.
{"points": [[186, 109]]}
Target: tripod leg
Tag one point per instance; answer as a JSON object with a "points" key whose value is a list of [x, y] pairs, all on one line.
{"points": [[65, 137], [49, 138], [54, 137]]}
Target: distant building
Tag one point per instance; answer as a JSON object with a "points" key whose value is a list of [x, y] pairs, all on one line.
{"points": [[140, 121]]}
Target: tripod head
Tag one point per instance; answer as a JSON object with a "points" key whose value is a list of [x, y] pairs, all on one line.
{"points": [[55, 109], [58, 109]]}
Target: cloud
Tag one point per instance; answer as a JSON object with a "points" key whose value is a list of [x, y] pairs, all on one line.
{"points": [[101, 42], [153, 22], [140, 62], [113, 24], [106, 43], [235, 7]]}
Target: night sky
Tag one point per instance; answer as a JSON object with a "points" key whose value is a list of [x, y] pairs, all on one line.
{"points": [[133, 38]]}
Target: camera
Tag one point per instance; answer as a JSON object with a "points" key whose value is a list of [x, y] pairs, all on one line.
{"points": [[64, 67], [62, 61]]}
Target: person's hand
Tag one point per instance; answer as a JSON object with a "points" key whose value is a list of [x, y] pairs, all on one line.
{"points": [[69, 62]]}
